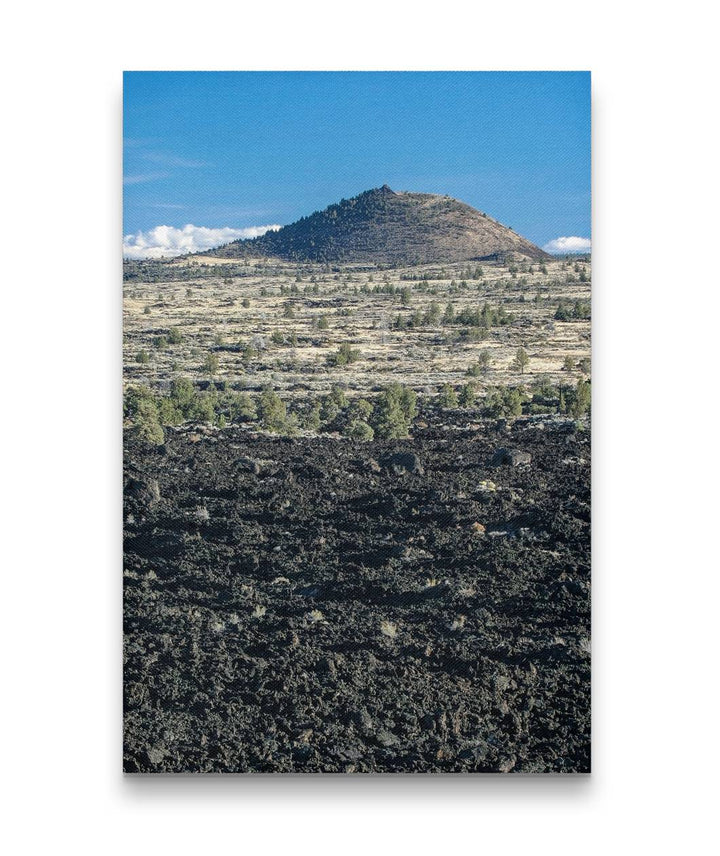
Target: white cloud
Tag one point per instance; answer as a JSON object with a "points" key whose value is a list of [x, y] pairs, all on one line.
{"points": [[571, 244], [169, 241]]}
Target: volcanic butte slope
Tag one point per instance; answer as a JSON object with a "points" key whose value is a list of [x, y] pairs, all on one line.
{"points": [[385, 227]]}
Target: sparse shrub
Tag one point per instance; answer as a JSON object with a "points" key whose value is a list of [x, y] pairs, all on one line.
{"points": [[447, 399], [467, 395], [395, 408], [278, 337], [272, 410], [568, 364], [432, 314], [504, 402], [521, 361], [142, 357], [581, 403], [168, 412], [182, 393], [203, 407], [360, 430], [344, 356], [246, 303], [361, 409], [311, 419], [160, 342], [211, 364], [580, 310], [248, 353], [145, 418], [175, 336], [242, 408], [132, 398], [291, 425], [146, 310], [333, 403], [337, 394], [584, 365], [323, 323]]}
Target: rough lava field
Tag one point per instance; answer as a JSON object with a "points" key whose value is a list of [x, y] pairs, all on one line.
{"points": [[324, 605]]}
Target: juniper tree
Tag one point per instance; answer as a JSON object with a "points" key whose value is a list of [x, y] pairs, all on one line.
{"points": [[521, 361]]}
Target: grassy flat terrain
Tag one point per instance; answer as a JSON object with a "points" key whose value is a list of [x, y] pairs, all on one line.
{"points": [[267, 322]]}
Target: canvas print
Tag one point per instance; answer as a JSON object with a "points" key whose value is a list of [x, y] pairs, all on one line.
{"points": [[357, 397]]}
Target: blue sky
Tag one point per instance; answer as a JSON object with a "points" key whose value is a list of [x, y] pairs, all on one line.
{"points": [[248, 149]]}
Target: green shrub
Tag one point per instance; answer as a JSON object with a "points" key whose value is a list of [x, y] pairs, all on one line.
{"points": [[333, 403], [482, 366], [211, 364], [344, 356], [432, 314], [146, 423], [447, 397], [581, 402], [168, 412], [182, 393], [311, 419], [361, 409], [272, 411], [203, 408], [242, 408], [132, 398], [360, 430], [395, 408], [323, 323], [580, 310], [175, 336], [521, 361], [504, 402], [142, 357], [467, 395]]}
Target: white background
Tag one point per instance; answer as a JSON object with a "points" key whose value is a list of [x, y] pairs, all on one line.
{"points": [[655, 279]]}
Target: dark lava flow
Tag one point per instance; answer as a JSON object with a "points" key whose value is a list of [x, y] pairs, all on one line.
{"points": [[317, 605]]}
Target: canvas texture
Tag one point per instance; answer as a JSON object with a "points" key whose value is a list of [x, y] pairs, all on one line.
{"points": [[357, 437]]}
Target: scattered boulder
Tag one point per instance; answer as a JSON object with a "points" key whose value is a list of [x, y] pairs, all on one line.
{"points": [[256, 466], [362, 719], [475, 753], [156, 755], [511, 457], [402, 462], [386, 738], [146, 491]]}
